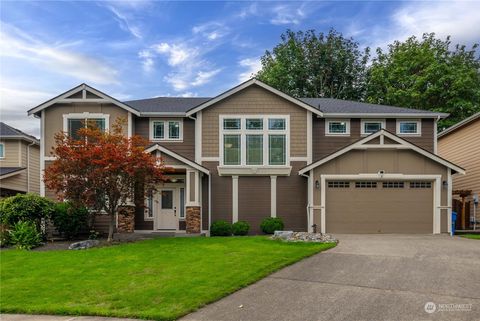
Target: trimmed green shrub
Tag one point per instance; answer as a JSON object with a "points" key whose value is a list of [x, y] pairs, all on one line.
{"points": [[25, 207], [25, 236], [69, 219], [271, 224], [240, 228], [4, 236], [221, 228]]}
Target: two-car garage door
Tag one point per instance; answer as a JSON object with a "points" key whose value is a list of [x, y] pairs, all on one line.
{"points": [[379, 207]]}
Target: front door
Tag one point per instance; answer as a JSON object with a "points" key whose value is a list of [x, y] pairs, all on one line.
{"points": [[167, 210]]}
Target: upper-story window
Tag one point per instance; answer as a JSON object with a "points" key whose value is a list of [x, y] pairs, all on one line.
{"points": [[2, 150], [410, 127], [166, 130], [370, 126], [73, 122], [254, 140], [335, 127]]}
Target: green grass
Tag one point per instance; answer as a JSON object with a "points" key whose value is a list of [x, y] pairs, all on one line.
{"points": [[471, 236], [159, 279]]}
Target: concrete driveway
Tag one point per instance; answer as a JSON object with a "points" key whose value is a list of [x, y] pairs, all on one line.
{"points": [[366, 278]]}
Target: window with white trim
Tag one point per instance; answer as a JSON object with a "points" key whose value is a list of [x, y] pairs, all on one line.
{"points": [[75, 124], [258, 140], [409, 127], [337, 127], [2, 150], [370, 126], [166, 130]]}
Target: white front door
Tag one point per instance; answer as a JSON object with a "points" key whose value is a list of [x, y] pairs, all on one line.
{"points": [[166, 214]]}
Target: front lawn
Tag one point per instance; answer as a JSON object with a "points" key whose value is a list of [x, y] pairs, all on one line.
{"points": [[159, 279], [471, 236]]}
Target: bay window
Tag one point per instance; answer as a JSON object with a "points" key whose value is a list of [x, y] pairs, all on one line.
{"points": [[254, 140]]}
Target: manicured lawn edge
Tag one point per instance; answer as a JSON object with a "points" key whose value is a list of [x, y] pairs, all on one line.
{"points": [[249, 278], [471, 236]]}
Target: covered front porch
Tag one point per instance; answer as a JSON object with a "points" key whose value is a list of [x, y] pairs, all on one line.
{"points": [[176, 207]]}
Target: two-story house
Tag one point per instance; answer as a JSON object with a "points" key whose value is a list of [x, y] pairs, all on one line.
{"points": [[19, 162], [253, 152]]}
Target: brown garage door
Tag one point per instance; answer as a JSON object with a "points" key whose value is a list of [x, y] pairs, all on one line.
{"points": [[379, 207]]}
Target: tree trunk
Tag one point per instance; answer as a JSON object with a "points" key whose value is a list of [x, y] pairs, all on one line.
{"points": [[110, 227]]}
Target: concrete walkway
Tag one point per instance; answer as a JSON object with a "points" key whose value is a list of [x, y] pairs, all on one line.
{"points": [[366, 278]]}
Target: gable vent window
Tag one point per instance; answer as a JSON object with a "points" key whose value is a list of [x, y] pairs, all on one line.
{"points": [[366, 184], [393, 185], [338, 184], [420, 184]]}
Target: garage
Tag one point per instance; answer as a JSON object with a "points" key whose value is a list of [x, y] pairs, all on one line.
{"points": [[372, 206]]}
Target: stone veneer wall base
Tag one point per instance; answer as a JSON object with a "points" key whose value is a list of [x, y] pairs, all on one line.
{"points": [[192, 219]]}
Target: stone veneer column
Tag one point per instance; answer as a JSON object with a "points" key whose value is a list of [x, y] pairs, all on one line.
{"points": [[126, 219], [193, 219]]}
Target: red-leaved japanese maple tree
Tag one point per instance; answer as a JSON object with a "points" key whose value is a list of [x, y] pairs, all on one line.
{"points": [[102, 170]]}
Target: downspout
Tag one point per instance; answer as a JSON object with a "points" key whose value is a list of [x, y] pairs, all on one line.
{"points": [[28, 166]]}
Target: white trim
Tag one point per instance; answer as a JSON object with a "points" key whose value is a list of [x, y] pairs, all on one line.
{"points": [[254, 170], [385, 115], [243, 132], [50, 158], [210, 159], [300, 159], [435, 136], [437, 182], [367, 120], [42, 153], [458, 125], [19, 153], [196, 192], [309, 137], [188, 162], [310, 219], [330, 120], [62, 98], [234, 199], [13, 173], [198, 138], [85, 116], [449, 200], [361, 145], [419, 127], [273, 196], [249, 83], [209, 202], [166, 130], [3, 149], [130, 125]]}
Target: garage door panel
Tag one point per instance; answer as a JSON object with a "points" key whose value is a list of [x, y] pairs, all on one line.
{"points": [[379, 210]]}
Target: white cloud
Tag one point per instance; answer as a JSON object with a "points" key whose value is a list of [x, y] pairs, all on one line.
{"points": [[251, 66], [146, 58], [211, 30], [287, 15], [125, 22], [176, 53], [250, 10], [16, 44], [189, 94], [204, 77]]}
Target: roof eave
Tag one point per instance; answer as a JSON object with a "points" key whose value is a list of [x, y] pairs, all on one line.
{"points": [[386, 115]]}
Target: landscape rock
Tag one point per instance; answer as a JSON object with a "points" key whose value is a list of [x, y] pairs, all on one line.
{"points": [[290, 236], [82, 245]]}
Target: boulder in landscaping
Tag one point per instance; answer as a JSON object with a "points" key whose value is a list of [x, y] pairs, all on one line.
{"points": [[83, 245]]}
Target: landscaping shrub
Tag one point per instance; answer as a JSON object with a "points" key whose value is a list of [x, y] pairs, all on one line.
{"points": [[69, 219], [240, 228], [25, 207], [4, 235], [25, 236], [221, 228], [271, 224]]}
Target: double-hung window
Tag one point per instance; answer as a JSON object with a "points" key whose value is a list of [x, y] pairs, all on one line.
{"points": [[74, 122], [254, 140], [166, 130], [409, 127]]}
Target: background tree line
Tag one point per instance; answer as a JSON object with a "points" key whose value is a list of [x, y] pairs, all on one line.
{"points": [[422, 73]]}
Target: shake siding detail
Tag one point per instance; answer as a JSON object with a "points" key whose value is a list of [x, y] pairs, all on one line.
{"points": [[254, 100], [186, 148]]}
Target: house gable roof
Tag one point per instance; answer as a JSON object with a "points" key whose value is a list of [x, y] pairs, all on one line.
{"points": [[6, 172], [247, 84], [7, 131], [171, 153], [459, 125], [82, 93], [398, 143]]}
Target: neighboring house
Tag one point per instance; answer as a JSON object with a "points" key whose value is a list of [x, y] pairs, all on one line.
{"points": [[254, 152], [461, 144], [19, 162]]}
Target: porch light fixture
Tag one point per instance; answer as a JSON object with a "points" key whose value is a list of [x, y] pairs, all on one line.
{"points": [[317, 184], [445, 184], [173, 180]]}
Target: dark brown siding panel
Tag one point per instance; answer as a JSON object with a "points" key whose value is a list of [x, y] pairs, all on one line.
{"points": [[140, 223], [182, 225], [185, 148], [425, 141], [205, 223], [292, 199], [102, 223], [221, 194], [253, 201], [324, 145]]}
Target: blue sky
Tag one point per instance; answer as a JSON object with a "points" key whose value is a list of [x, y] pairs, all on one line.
{"points": [[140, 49]]}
